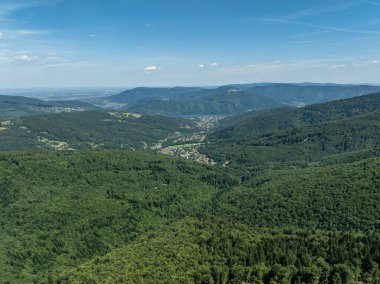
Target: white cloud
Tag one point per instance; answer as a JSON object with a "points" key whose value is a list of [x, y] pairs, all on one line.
{"points": [[151, 68], [1, 35], [337, 66], [32, 32], [375, 61], [26, 58], [201, 66], [214, 64]]}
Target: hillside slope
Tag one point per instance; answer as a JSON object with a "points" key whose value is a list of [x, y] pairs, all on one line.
{"points": [[131, 217], [58, 210], [305, 134], [313, 225], [90, 130], [17, 106], [259, 122]]}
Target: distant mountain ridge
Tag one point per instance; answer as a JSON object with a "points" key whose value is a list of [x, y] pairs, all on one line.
{"points": [[232, 99], [228, 100], [142, 93]]}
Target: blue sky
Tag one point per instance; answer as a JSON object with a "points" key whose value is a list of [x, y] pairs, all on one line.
{"points": [[73, 43]]}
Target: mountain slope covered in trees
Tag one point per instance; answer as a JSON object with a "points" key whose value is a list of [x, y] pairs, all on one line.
{"points": [[90, 130], [317, 225], [134, 217], [304, 134], [17, 106], [259, 122], [60, 209]]}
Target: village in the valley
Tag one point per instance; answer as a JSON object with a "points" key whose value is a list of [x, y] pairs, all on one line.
{"points": [[187, 146]]}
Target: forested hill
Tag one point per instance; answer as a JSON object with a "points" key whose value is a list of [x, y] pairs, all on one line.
{"points": [[60, 209], [91, 130], [316, 225], [304, 135], [133, 217], [18, 106], [259, 122], [234, 99]]}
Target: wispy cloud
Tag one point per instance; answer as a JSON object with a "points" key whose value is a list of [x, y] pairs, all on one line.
{"points": [[337, 66], [17, 33], [26, 58], [370, 63], [151, 68], [42, 59], [201, 66], [8, 7], [322, 8], [215, 64], [370, 2], [33, 32], [297, 65], [328, 28]]}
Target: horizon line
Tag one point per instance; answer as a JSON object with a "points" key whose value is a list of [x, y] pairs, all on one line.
{"points": [[184, 85]]}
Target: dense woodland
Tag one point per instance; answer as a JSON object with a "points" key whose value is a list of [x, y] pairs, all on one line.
{"points": [[90, 130], [302, 135], [294, 198]]}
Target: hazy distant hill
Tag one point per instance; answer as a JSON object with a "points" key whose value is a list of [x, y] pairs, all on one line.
{"points": [[232, 99], [132, 96], [17, 106], [225, 100]]}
